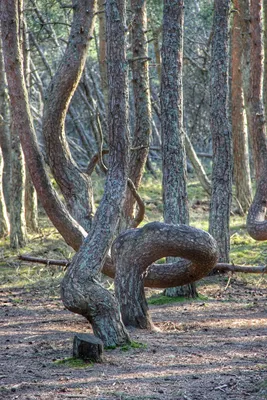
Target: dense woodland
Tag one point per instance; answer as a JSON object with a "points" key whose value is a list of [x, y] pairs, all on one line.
{"points": [[94, 91]]}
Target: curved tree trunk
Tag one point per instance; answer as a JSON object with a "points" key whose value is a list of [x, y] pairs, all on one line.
{"points": [[142, 104], [240, 134], [135, 250], [21, 117], [221, 134], [81, 292], [74, 185]]}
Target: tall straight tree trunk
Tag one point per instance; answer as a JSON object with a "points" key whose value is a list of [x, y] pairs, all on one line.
{"points": [[102, 51], [175, 201], [31, 203], [240, 133], [221, 134], [81, 291], [5, 142], [265, 57], [4, 222], [258, 128], [18, 233]]}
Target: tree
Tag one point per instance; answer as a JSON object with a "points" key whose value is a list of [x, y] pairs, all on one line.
{"points": [[240, 133], [221, 133], [81, 292], [175, 199]]}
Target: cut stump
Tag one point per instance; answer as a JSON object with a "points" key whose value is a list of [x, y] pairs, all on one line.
{"points": [[88, 347]]}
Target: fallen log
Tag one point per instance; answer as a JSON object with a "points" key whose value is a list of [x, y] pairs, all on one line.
{"points": [[221, 267]]}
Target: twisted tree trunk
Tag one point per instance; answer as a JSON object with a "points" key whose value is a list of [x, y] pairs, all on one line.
{"points": [[81, 292], [22, 120], [135, 250], [75, 186]]}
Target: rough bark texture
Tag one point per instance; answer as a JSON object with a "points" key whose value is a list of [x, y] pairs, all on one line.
{"points": [[4, 222], [173, 152], [5, 142], [265, 58], [18, 233], [74, 185], [175, 201], [258, 128], [56, 211], [142, 129], [221, 133], [102, 51], [244, 20], [31, 204], [81, 292], [240, 134], [136, 249]]}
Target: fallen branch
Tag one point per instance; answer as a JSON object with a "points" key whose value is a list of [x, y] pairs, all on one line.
{"points": [[250, 269], [46, 261], [221, 267]]}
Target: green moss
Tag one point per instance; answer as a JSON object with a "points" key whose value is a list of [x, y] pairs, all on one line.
{"points": [[74, 363], [133, 345]]}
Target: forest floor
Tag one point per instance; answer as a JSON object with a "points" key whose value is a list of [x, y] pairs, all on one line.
{"points": [[213, 348], [210, 348]]}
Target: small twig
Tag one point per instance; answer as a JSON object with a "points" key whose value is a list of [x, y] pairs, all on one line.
{"points": [[63, 263]]}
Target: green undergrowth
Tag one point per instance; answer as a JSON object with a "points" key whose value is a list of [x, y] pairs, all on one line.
{"points": [[73, 362], [127, 347], [160, 299]]}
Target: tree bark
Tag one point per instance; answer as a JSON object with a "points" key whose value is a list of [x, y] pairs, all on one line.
{"points": [[142, 104], [18, 232], [240, 134], [81, 292], [5, 142], [4, 222], [135, 250], [20, 109], [175, 201], [258, 128], [74, 185], [221, 133]]}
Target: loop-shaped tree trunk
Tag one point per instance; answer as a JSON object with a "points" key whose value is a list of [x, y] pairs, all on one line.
{"points": [[136, 249]]}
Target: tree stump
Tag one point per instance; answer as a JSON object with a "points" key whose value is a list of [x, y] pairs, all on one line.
{"points": [[88, 347]]}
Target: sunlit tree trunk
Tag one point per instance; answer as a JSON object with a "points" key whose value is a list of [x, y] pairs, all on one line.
{"points": [[5, 142], [4, 222], [221, 134], [31, 204], [240, 133], [258, 125]]}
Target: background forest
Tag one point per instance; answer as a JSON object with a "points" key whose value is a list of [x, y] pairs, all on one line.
{"points": [[128, 131]]}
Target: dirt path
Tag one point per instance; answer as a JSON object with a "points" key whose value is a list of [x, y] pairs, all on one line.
{"points": [[211, 349]]}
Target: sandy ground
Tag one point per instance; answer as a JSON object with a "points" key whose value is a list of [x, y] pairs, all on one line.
{"points": [[211, 349]]}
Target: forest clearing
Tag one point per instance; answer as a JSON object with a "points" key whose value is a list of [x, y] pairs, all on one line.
{"points": [[213, 347]]}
